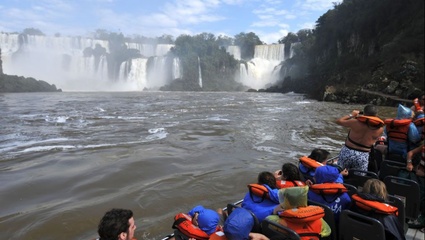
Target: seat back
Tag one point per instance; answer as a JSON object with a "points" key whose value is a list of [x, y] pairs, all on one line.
{"points": [[329, 219], [408, 191], [256, 228], [358, 177], [353, 225], [278, 231], [390, 168], [351, 189], [397, 202]]}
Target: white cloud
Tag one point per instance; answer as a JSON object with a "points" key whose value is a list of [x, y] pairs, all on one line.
{"points": [[273, 37], [318, 5]]}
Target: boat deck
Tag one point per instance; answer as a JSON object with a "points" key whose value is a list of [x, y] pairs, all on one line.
{"points": [[414, 234]]}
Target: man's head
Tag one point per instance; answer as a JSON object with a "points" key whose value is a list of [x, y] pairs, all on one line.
{"points": [[117, 224], [370, 110], [320, 155]]}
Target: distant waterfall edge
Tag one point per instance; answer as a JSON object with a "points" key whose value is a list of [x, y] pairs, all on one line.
{"points": [[82, 64]]}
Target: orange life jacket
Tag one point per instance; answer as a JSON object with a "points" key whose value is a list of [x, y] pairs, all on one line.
{"points": [[306, 221], [328, 188], [286, 183], [258, 190], [397, 129], [419, 122], [183, 222], [309, 162], [371, 121], [374, 206]]}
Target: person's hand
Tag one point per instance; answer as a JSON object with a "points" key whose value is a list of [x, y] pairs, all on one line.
{"points": [[355, 113], [257, 236], [409, 167], [344, 172], [278, 174], [278, 208], [309, 182]]}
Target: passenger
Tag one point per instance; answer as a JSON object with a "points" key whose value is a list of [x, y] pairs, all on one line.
{"points": [[365, 129], [318, 157], [198, 223], [238, 226], [289, 176], [401, 133], [117, 224], [309, 164], [329, 192], [262, 197], [418, 109], [294, 213], [418, 104], [371, 202], [420, 173]]}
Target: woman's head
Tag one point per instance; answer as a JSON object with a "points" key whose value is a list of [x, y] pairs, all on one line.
{"points": [[376, 187], [267, 178], [290, 172]]}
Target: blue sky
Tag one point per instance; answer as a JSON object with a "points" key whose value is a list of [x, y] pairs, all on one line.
{"points": [[269, 19]]}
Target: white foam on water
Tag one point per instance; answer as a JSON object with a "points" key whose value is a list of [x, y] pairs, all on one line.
{"points": [[60, 119], [156, 134], [47, 148]]}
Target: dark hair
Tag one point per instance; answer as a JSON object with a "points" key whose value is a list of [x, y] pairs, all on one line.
{"points": [[113, 223], [290, 172], [320, 155], [370, 110], [267, 178]]}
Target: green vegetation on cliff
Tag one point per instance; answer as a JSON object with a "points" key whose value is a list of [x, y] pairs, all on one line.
{"points": [[367, 44]]}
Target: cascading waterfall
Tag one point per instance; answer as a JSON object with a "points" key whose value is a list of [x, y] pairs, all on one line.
{"points": [[176, 68], [263, 69], [291, 50], [199, 72], [65, 62]]}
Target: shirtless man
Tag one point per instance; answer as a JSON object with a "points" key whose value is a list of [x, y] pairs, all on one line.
{"points": [[360, 139]]}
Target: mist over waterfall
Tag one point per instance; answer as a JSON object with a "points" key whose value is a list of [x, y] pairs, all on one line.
{"points": [[263, 70], [84, 64]]}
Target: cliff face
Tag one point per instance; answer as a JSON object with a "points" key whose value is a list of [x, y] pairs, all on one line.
{"points": [[362, 51]]}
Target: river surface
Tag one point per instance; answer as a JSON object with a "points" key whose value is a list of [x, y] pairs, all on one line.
{"points": [[67, 158]]}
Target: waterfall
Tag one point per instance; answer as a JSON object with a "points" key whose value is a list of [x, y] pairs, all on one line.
{"points": [[176, 68], [81, 64], [291, 50], [137, 77], [263, 69], [200, 73]]}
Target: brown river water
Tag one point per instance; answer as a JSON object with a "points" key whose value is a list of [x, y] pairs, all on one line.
{"points": [[67, 158]]}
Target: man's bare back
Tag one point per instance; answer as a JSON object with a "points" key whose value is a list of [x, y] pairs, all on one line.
{"points": [[361, 136]]}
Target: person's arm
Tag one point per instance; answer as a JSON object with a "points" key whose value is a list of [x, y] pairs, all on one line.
{"points": [[409, 164], [257, 236], [345, 120]]}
